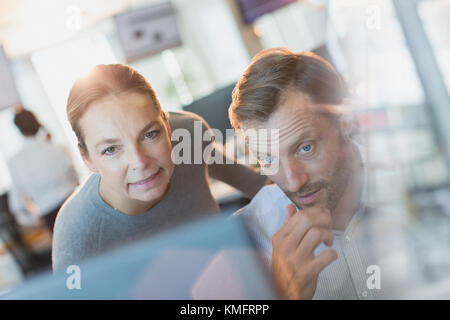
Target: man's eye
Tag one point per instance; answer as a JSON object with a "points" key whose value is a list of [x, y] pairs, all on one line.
{"points": [[151, 134], [110, 150], [306, 148], [267, 160]]}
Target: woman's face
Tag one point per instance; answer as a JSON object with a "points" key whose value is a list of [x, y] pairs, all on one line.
{"points": [[128, 144]]}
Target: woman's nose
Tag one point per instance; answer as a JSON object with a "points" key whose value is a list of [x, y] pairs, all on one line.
{"points": [[137, 159]]}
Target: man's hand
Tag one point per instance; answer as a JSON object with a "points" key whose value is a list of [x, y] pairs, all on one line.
{"points": [[295, 268]]}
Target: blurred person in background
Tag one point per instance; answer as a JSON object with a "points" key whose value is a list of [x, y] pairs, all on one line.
{"points": [[136, 190], [42, 174]]}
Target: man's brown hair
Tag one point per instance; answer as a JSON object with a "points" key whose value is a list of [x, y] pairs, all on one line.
{"points": [[27, 122], [272, 73]]}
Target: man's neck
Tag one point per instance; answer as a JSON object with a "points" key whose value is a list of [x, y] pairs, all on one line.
{"points": [[351, 197]]}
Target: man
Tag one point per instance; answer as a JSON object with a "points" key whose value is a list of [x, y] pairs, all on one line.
{"points": [[318, 199], [42, 174]]}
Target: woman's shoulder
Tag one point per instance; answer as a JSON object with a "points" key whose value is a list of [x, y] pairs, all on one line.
{"points": [[76, 231], [79, 207]]}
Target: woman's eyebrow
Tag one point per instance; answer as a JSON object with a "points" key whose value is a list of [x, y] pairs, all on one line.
{"points": [[106, 141], [148, 126], [114, 141]]}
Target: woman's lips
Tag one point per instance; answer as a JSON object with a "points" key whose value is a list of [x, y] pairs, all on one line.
{"points": [[309, 198], [148, 182]]}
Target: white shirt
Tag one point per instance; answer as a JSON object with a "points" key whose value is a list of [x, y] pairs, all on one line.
{"points": [[42, 171], [346, 277]]}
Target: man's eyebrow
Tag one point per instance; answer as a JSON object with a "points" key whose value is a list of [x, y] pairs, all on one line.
{"points": [[299, 132], [307, 131]]}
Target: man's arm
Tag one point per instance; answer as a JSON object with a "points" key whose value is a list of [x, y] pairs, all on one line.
{"points": [[224, 168], [17, 204], [246, 179]]}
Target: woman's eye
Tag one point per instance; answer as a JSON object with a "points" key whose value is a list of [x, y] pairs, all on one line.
{"points": [[306, 148], [151, 134], [110, 150]]}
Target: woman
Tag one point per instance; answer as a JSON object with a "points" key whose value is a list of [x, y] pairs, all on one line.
{"points": [[136, 190]]}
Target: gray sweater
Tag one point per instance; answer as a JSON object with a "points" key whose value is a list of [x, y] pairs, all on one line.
{"points": [[86, 225]]}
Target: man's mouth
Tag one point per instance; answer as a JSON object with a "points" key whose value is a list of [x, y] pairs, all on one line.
{"points": [[309, 197], [147, 182]]}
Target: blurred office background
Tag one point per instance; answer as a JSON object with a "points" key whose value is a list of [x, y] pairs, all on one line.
{"points": [[394, 54]]}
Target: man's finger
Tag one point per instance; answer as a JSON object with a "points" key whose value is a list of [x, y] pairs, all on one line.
{"points": [[290, 221], [323, 260], [312, 239], [290, 212], [296, 226], [320, 216]]}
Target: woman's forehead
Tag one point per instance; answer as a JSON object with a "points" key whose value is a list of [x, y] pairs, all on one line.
{"points": [[125, 100], [124, 105], [123, 114]]}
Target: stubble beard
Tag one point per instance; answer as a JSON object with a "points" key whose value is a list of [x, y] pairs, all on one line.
{"points": [[333, 188]]}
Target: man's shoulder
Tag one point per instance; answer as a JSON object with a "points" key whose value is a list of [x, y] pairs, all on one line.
{"points": [[268, 198], [265, 215], [35, 148], [267, 209], [60, 149], [16, 159]]}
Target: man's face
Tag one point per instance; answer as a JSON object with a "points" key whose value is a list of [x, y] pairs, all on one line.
{"points": [[313, 167], [128, 144]]}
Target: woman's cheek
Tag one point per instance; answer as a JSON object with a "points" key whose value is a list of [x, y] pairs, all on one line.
{"points": [[166, 149]]}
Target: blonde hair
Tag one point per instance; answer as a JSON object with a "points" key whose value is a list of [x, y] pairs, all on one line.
{"points": [[102, 81], [272, 72]]}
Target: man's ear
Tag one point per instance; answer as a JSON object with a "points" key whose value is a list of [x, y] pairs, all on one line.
{"points": [[86, 159]]}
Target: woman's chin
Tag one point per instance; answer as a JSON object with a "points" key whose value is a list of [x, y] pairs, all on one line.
{"points": [[154, 194]]}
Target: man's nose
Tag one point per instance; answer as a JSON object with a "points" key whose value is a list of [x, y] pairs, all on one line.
{"points": [[295, 176], [137, 158]]}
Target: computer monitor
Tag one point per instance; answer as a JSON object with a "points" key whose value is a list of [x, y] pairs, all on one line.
{"points": [[207, 259]]}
